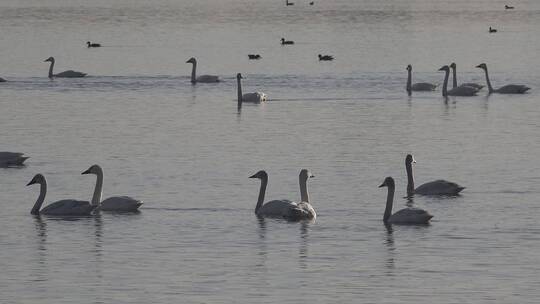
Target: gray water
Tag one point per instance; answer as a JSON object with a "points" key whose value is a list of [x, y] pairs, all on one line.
{"points": [[187, 153]]}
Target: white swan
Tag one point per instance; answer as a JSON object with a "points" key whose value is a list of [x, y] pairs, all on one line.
{"points": [[419, 86], [63, 207], [467, 84], [65, 74], [202, 78], [507, 89], [457, 91], [8, 159], [256, 97], [115, 203], [284, 208], [438, 187], [407, 216]]}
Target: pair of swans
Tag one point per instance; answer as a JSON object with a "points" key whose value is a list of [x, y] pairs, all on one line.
{"points": [[65, 74], [419, 86], [202, 78], [462, 90], [71, 207], [256, 97], [9, 159], [507, 89], [285, 209]]}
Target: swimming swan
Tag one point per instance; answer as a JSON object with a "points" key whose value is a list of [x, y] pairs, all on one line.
{"points": [[8, 159], [63, 207], [256, 97], [438, 187], [507, 89], [65, 74], [467, 84], [284, 208], [202, 78], [457, 91], [407, 216], [115, 203], [419, 86]]}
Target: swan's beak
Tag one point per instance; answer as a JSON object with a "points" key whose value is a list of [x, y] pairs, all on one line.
{"points": [[479, 66], [441, 69], [86, 172], [382, 185], [254, 176], [31, 182]]}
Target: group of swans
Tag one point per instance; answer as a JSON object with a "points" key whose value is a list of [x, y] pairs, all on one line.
{"points": [[71, 207], [12, 159], [285, 209]]}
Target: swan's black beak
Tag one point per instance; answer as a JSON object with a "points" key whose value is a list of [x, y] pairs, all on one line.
{"points": [[86, 172], [254, 176], [441, 69], [382, 185], [31, 182], [479, 66]]}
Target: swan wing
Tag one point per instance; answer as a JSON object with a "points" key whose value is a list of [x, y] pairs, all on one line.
{"points": [[68, 207], [462, 90], [120, 204], [70, 74], [256, 97], [439, 187], [208, 78], [410, 216], [2, 79], [303, 211], [277, 208], [423, 86], [12, 159], [474, 85], [513, 89]]}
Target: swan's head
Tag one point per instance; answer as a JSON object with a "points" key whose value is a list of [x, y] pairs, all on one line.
{"points": [[388, 182], [409, 159], [38, 179], [444, 68], [320, 55], [305, 174], [94, 169], [239, 76], [260, 175], [192, 60], [282, 39], [482, 66], [51, 59], [409, 67], [88, 42], [453, 65]]}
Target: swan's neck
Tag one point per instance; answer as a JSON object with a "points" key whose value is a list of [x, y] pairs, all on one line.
{"points": [[490, 88], [410, 180], [445, 84], [41, 198], [239, 91], [389, 203], [262, 191], [454, 84], [193, 73], [409, 81], [51, 69], [304, 195], [98, 190]]}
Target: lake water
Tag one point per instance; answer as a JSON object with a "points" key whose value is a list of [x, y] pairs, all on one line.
{"points": [[187, 152]]}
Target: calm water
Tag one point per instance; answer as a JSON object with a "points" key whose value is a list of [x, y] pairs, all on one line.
{"points": [[187, 153]]}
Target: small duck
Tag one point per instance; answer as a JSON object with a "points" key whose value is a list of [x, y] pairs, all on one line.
{"points": [[492, 30], [311, 3], [283, 41], [325, 57], [287, 3], [92, 45], [508, 7], [254, 56]]}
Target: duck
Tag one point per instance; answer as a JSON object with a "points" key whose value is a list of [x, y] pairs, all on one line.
{"points": [[457, 91], [326, 57], [284, 42], [202, 78], [419, 86], [92, 45], [437, 187], [255, 97], [287, 3], [406, 216], [254, 56], [492, 30], [12, 159], [65, 74], [507, 89], [508, 7]]}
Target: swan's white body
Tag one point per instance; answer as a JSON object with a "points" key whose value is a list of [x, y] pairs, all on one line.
{"points": [[115, 203], [65, 74], [66, 207], [419, 86], [467, 84], [457, 91], [438, 187], [507, 89], [202, 78], [8, 159], [407, 216], [255, 97]]}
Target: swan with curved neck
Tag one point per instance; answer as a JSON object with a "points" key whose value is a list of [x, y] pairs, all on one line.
{"points": [[419, 86], [115, 203], [467, 84], [507, 89], [66, 207], [65, 74], [457, 91], [8, 159], [255, 97], [202, 78], [438, 187], [407, 216]]}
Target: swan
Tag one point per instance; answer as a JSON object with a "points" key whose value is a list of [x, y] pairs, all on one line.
{"points": [[305, 210], [63, 207], [438, 187], [420, 86], [406, 216], [254, 56], [92, 45], [467, 84], [202, 78], [8, 159], [256, 97], [115, 203], [492, 30], [283, 41], [507, 89], [65, 74], [457, 91], [326, 57], [2, 79]]}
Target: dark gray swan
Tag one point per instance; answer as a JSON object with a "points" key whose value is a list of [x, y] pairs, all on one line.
{"points": [[438, 187], [466, 84], [406, 216], [8, 159], [507, 89], [202, 78], [65, 74], [457, 91], [419, 86]]}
